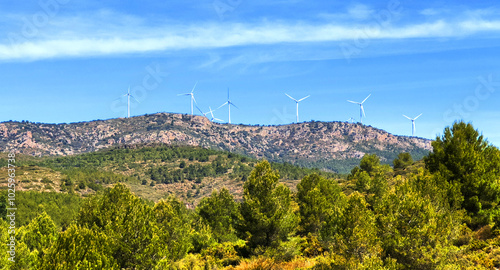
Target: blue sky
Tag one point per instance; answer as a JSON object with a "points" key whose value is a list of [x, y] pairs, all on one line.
{"points": [[65, 61]]}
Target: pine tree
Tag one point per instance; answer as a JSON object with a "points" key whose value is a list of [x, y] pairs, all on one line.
{"points": [[81, 248], [128, 222], [175, 228], [321, 203], [466, 160], [221, 213], [357, 239], [267, 214]]}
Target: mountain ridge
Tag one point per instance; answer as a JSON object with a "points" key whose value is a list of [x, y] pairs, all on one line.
{"points": [[311, 144]]}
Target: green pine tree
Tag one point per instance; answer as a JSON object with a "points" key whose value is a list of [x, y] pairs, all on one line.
{"points": [[321, 203], [267, 213], [221, 213], [465, 159]]}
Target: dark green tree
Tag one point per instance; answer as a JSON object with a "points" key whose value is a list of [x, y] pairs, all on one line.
{"points": [[221, 213], [371, 164], [370, 178], [267, 213], [321, 203], [129, 224], [3, 205], [402, 161], [465, 159]]}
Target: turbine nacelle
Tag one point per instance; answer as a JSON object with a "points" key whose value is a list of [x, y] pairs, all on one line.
{"points": [[413, 129], [193, 100], [297, 102], [361, 109], [228, 103], [128, 95]]}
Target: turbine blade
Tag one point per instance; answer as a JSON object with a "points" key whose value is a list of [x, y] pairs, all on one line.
{"points": [[217, 119], [407, 117], [366, 98], [135, 99], [222, 105], [353, 102], [363, 110], [192, 96], [185, 94], [194, 86], [303, 98], [417, 116], [233, 105], [290, 97], [204, 114]]}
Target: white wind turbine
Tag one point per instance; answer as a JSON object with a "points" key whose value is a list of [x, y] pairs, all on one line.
{"points": [[413, 129], [361, 109], [211, 112], [192, 97], [351, 120], [297, 102], [228, 103], [128, 95]]}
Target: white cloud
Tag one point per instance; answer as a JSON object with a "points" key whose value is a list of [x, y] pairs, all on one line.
{"points": [[129, 36]]}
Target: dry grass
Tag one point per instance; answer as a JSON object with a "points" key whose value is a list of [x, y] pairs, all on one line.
{"points": [[30, 178], [262, 263]]}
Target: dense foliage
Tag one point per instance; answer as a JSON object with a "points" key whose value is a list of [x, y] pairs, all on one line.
{"points": [[442, 213]]}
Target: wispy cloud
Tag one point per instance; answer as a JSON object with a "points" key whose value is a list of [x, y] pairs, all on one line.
{"points": [[429, 12], [129, 35], [360, 11]]}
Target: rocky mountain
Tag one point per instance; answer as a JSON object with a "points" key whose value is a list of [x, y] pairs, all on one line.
{"points": [[334, 146]]}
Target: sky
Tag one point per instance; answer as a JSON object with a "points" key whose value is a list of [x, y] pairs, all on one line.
{"points": [[64, 61]]}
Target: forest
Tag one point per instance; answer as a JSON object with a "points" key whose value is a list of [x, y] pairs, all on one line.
{"points": [[441, 212]]}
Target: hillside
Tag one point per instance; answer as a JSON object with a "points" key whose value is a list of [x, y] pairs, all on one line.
{"points": [[334, 146], [153, 172]]}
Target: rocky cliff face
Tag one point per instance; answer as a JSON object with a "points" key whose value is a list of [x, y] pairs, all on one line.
{"points": [[295, 143]]}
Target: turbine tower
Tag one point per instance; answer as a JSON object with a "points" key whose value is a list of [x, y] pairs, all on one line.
{"points": [[128, 95], [297, 102], [192, 97], [228, 103], [361, 109], [413, 129]]}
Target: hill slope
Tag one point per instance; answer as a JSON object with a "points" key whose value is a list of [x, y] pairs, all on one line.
{"points": [[333, 146], [152, 172]]}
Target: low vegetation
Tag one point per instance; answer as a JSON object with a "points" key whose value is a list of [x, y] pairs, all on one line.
{"points": [[439, 213]]}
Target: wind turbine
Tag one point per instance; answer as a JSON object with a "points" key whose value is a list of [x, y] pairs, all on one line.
{"points": [[361, 110], [413, 129], [297, 102], [228, 103], [211, 112], [128, 95], [351, 120], [192, 97]]}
